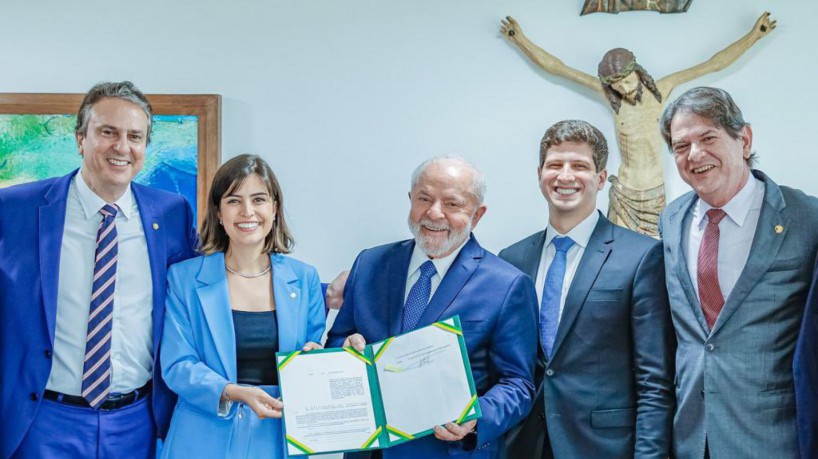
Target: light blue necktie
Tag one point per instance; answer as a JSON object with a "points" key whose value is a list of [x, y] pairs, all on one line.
{"points": [[418, 297], [552, 291]]}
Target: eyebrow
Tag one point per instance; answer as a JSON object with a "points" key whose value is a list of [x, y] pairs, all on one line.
{"points": [[110, 126], [233, 194]]}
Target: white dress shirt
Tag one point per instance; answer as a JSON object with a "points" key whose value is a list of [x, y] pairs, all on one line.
{"points": [[736, 233], [442, 266], [132, 324], [580, 234]]}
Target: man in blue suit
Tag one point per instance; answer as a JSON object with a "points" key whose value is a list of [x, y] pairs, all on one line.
{"points": [[739, 257], [604, 372], [51, 402], [496, 304]]}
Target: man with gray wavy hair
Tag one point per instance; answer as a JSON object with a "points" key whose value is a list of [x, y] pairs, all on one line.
{"points": [[441, 272], [739, 252]]}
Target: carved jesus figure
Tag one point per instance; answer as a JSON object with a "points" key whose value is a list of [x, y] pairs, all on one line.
{"points": [[637, 194]]}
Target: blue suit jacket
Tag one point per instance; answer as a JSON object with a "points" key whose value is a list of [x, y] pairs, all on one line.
{"points": [[32, 219], [805, 366], [199, 345], [607, 390], [497, 307]]}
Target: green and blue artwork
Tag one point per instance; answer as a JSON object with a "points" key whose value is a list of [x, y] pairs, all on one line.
{"points": [[34, 147]]}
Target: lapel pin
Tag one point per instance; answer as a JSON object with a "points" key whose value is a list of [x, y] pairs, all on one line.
{"points": [[779, 229], [292, 295], [156, 226]]}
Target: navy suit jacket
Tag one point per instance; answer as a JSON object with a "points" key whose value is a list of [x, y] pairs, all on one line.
{"points": [[497, 307], [805, 374], [607, 390], [32, 219]]}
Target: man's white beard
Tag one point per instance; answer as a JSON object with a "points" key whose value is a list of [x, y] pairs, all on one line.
{"points": [[435, 249]]}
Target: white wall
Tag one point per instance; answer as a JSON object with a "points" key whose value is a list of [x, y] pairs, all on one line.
{"points": [[345, 97]]}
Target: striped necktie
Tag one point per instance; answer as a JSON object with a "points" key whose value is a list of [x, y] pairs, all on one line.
{"points": [[96, 372]]}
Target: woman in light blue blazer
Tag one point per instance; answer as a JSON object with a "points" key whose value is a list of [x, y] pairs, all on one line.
{"points": [[227, 314]]}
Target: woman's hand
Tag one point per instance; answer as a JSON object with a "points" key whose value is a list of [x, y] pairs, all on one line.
{"points": [[262, 403]]}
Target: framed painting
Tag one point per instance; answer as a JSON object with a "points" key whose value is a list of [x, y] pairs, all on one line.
{"points": [[37, 141]]}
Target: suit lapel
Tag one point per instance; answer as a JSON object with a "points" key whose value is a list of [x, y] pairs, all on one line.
{"points": [[678, 223], [531, 262], [530, 265], [591, 263], [51, 228], [396, 273], [215, 301], [286, 291], [154, 228], [764, 250], [459, 273]]}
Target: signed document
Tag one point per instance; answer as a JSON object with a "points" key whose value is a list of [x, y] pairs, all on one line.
{"points": [[397, 390]]}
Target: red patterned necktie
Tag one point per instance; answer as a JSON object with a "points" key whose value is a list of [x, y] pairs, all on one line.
{"points": [[707, 269], [96, 372]]}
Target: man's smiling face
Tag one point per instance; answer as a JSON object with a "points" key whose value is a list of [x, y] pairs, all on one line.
{"points": [[569, 181], [712, 162], [113, 146]]}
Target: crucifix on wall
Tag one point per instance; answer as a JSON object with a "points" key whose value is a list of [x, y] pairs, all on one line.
{"points": [[637, 194]]}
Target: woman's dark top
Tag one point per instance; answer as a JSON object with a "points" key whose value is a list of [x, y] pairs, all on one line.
{"points": [[256, 346]]}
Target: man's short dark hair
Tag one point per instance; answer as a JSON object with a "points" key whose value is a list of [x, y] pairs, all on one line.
{"points": [[576, 131]]}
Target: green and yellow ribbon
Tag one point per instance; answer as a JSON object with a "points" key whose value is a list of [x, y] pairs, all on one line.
{"points": [[448, 328], [383, 348], [357, 354], [369, 441], [399, 433], [468, 409], [287, 360], [301, 447]]}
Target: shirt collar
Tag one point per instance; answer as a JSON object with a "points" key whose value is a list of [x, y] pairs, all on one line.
{"points": [[92, 203], [737, 208], [442, 265], [580, 234]]}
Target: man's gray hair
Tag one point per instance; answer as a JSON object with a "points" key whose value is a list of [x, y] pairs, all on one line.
{"points": [[478, 180], [713, 104], [124, 90]]}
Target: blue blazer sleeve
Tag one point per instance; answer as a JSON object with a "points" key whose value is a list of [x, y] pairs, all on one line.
{"points": [[513, 353], [316, 311], [182, 367]]}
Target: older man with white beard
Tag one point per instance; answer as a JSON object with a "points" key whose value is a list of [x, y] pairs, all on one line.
{"points": [[442, 272]]}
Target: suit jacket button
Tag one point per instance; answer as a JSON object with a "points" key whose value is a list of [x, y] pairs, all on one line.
{"points": [[34, 396], [48, 353], [549, 372], [541, 416], [710, 347]]}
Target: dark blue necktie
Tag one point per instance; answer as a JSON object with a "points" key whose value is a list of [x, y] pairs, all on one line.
{"points": [[418, 297], [551, 294], [96, 377]]}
